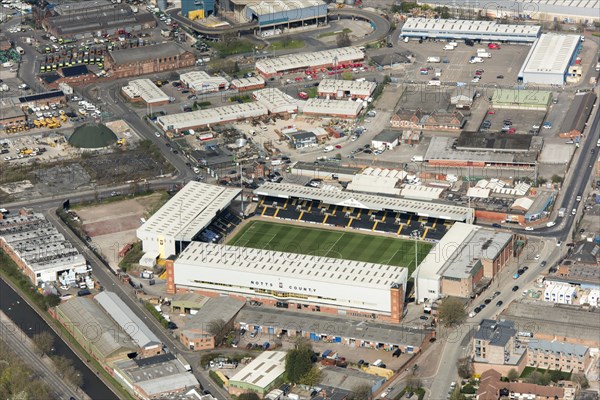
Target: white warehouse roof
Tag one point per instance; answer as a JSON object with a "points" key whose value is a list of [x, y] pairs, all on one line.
{"points": [[259, 263], [189, 211], [263, 370], [334, 108], [276, 101], [247, 82], [307, 60], [183, 121], [364, 88], [421, 192], [146, 89], [464, 29], [551, 54], [366, 201], [127, 319], [374, 184], [202, 82]]}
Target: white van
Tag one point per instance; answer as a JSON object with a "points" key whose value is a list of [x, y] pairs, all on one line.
{"points": [[434, 83], [328, 149], [406, 39]]}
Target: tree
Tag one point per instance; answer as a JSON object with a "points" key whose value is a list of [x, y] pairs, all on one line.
{"points": [[465, 367], [343, 39], [456, 394], [580, 380], [297, 364], [539, 378], [312, 377], [62, 364], [361, 392], [512, 375], [72, 375], [556, 179], [452, 311], [248, 396], [43, 341], [217, 329]]}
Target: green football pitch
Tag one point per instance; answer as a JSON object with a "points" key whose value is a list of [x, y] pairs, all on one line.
{"points": [[330, 243]]}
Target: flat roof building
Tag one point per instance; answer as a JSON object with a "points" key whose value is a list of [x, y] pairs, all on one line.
{"points": [[328, 283], [466, 256], [38, 248], [146, 60], [301, 61], [162, 376], [186, 214], [212, 116], [260, 376], [549, 59], [339, 88], [276, 101], [511, 99], [145, 90], [88, 20], [570, 11], [271, 13], [332, 108], [202, 82], [425, 28], [254, 82]]}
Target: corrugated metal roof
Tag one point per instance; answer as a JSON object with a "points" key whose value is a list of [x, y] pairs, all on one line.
{"points": [[126, 318]]}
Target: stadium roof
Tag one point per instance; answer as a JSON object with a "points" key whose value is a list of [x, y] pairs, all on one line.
{"points": [[364, 88], [332, 107], [201, 81], [307, 60], [183, 121], [551, 53], [454, 255], [126, 318], [276, 101], [293, 265], [93, 322], [263, 370], [459, 29], [189, 211], [146, 89], [367, 201]]}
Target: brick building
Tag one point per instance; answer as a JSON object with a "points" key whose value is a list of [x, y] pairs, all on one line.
{"points": [[558, 356], [438, 121], [148, 60], [12, 116]]}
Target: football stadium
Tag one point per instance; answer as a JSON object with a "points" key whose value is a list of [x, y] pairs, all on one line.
{"points": [[304, 248]]}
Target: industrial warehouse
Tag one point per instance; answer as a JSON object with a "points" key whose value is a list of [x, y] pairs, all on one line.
{"points": [[328, 284], [462, 263], [277, 14], [39, 249], [210, 117], [201, 82], [332, 108], [251, 83], [549, 59], [299, 62], [425, 28], [339, 89], [145, 90]]}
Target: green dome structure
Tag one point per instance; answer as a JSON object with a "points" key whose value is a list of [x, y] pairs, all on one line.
{"points": [[92, 136]]}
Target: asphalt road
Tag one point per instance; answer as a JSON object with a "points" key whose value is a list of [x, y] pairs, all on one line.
{"points": [[111, 283]]}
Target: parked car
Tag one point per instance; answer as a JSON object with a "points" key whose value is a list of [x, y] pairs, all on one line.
{"points": [[515, 288], [499, 303]]}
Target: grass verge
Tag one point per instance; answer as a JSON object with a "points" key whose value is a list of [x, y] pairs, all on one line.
{"points": [[286, 44]]}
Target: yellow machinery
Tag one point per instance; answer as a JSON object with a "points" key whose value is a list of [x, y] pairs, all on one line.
{"points": [[54, 125], [48, 120], [63, 118], [42, 122], [121, 142]]}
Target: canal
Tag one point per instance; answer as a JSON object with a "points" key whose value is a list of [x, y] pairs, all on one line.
{"points": [[27, 319]]}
